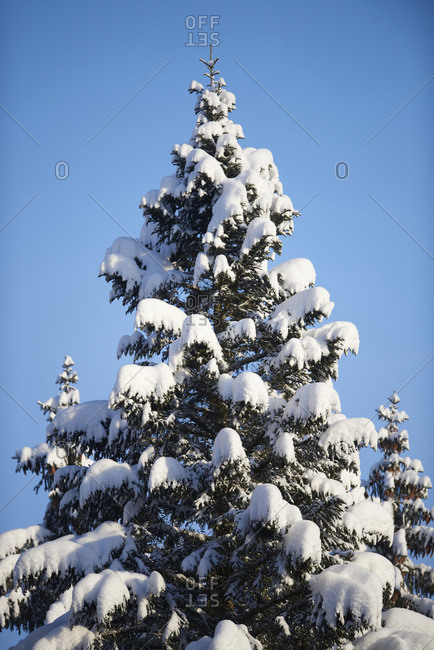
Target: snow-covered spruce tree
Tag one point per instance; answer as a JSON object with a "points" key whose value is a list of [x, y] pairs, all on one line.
{"points": [[68, 394], [396, 479], [45, 458], [223, 507]]}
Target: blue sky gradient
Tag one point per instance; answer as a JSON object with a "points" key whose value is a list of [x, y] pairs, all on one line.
{"points": [[340, 69]]}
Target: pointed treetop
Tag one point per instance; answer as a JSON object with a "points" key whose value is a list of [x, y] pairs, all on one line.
{"points": [[394, 398], [211, 73], [68, 361]]}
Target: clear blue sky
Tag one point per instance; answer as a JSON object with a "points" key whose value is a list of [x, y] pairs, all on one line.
{"points": [[341, 69]]}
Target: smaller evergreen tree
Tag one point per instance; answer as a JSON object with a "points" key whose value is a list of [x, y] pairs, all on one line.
{"points": [[398, 481], [68, 394], [45, 459]]}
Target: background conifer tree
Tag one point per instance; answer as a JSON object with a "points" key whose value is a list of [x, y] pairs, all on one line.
{"points": [[397, 480]]}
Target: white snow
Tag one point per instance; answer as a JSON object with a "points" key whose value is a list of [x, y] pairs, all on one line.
{"points": [[392, 414], [63, 399], [293, 311], [303, 542], [227, 636], [390, 639], [243, 329], [343, 334], [349, 434], [110, 589], [60, 607], [317, 400], [146, 456], [13, 541], [172, 628], [83, 553], [159, 315], [284, 446], [379, 566], [227, 447], [143, 382], [296, 275], [376, 521], [103, 475], [247, 387], [221, 265], [120, 260], [344, 590], [166, 471], [7, 565], [325, 486], [118, 426], [86, 418], [405, 619], [58, 636], [198, 329], [258, 229], [29, 456], [400, 543], [268, 506], [201, 266]]}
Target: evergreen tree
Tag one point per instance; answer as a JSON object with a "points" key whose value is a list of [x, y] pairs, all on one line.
{"points": [[223, 507], [396, 479], [46, 458], [68, 394]]}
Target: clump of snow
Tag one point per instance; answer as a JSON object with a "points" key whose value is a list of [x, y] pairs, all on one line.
{"points": [[221, 266], [392, 414], [227, 635], [268, 506], [166, 471], [227, 447], [258, 229], [388, 639], [405, 619], [6, 569], [29, 457], [153, 271], [87, 418], [201, 266], [196, 329], [103, 475], [284, 446], [83, 554], [243, 329], [111, 589], [142, 381], [325, 486], [343, 334], [303, 542], [347, 591], [379, 566], [400, 543], [60, 607], [146, 456], [17, 539], [293, 275], [247, 387], [294, 310], [375, 520], [58, 636], [349, 434], [159, 315], [173, 627], [315, 401]]}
